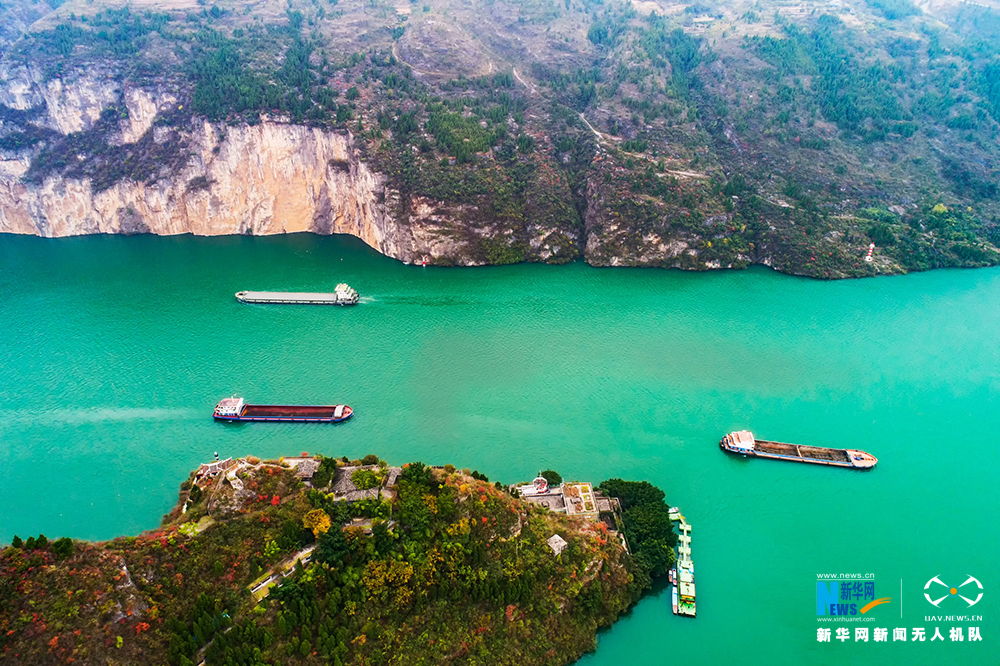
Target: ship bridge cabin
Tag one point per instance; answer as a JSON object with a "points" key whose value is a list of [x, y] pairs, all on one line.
{"points": [[229, 407], [741, 441]]}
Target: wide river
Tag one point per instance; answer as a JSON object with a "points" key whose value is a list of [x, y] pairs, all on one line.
{"points": [[113, 352]]}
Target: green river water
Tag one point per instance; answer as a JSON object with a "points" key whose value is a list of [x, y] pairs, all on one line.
{"points": [[113, 352]]}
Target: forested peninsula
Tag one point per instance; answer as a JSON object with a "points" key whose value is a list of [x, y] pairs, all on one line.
{"points": [[829, 139], [317, 560]]}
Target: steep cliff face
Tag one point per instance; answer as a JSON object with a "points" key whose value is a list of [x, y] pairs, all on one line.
{"points": [[269, 178], [266, 179], [71, 104]]}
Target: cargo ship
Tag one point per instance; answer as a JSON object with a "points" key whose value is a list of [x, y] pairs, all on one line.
{"points": [[234, 409], [742, 442], [342, 295]]}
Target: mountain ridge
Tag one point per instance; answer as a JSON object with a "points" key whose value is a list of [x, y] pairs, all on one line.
{"points": [[694, 136]]}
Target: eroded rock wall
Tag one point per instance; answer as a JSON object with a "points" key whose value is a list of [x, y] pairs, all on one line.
{"points": [[269, 178], [266, 179]]}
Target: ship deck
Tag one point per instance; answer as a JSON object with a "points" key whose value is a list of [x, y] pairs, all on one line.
{"points": [[307, 411], [318, 298], [833, 456]]}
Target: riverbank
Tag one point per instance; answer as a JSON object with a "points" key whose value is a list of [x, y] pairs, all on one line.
{"points": [[332, 561]]}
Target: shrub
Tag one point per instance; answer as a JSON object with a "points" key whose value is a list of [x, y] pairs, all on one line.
{"points": [[553, 477], [62, 548], [365, 479], [881, 235]]}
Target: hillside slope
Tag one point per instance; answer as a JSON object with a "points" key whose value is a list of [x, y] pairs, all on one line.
{"points": [[425, 566], [646, 133]]}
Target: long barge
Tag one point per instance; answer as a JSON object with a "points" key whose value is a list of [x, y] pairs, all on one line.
{"points": [[235, 409], [342, 295], [742, 442]]}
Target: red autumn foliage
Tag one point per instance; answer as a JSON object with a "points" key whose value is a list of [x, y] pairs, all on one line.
{"points": [[275, 500]]}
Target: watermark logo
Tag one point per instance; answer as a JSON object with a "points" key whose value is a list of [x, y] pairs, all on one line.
{"points": [[952, 591], [846, 597]]}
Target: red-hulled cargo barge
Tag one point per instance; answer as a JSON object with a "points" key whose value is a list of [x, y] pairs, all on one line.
{"points": [[234, 409]]}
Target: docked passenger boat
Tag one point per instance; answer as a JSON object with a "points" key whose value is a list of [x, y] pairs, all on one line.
{"points": [[342, 295], [235, 409], [742, 442], [681, 576]]}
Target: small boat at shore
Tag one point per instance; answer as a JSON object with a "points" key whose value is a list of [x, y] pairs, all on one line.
{"points": [[235, 409], [742, 442]]}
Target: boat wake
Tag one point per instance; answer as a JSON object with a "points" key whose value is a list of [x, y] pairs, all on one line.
{"points": [[96, 415], [431, 301]]}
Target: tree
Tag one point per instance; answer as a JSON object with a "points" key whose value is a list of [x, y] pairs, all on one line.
{"points": [[553, 477], [17, 543], [632, 493], [388, 581], [417, 473], [382, 538], [318, 521], [327, 470], [364, 479], [370, 459], [414, 512], [332, 548], [648, 528], [63, 548]]}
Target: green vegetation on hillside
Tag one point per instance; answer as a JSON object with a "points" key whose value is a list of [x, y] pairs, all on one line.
{"points": [[718, 137], [444, 568]]}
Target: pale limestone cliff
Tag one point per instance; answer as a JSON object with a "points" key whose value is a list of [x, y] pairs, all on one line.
{"points": [[269, 178], [71, 104], [265, 179]]}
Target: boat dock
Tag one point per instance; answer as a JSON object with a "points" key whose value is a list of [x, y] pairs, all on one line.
{"points": [[682, 593]]}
